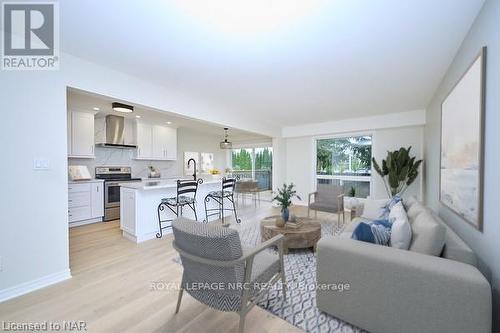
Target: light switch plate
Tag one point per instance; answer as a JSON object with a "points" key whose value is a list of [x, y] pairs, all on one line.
{"points": [[40, 164]]}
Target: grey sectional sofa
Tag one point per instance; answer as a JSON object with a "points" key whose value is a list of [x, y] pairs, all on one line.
{"points": [[393, 290]]}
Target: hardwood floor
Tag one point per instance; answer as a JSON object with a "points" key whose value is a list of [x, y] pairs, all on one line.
{"points": [[111, 289]]}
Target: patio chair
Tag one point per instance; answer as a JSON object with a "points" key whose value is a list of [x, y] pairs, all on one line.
{"points": [[212, 255], [327, 198]]}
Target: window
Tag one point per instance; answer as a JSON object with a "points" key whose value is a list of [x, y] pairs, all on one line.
{"points": [[254, 163], [345, 162]]}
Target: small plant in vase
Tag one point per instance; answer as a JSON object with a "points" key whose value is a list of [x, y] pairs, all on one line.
{"points": [[284, 199]]}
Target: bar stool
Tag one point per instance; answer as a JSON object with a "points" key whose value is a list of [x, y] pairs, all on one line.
{"points": [[227, 192], [186, 196]]}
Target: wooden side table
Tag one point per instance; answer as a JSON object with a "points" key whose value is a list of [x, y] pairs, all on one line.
{"points": [[306, 236]]}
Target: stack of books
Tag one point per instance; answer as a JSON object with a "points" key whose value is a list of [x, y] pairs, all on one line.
{"points": [[294, 225]]}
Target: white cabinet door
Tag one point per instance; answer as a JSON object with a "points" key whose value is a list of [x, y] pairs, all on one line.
{"points": [[172, 144], [144, 141], [127, 210], [97, 199], [160, 139], [82, 134]]}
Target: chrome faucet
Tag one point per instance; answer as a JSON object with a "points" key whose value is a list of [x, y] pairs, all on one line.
{"points": [[189, 164]]}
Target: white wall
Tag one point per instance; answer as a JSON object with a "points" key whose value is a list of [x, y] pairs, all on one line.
{"points": [[391, 139], [484, 32], [300, 158], [188, 140], [33, 205]]}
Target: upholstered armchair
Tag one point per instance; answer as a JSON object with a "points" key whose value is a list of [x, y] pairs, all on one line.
{"points": [[327, 198], [220, 272]]}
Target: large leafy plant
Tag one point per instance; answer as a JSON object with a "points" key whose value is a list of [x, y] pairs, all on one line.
{"points": [[398, 170], [285, 195]]}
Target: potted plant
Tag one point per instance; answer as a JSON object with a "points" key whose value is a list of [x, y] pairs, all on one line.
{"points": [[398, 171], [350, 199], [284, 199]]}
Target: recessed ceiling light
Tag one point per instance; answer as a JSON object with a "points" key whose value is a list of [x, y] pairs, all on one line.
{"points": [[96, 108], [169, 122], [120, 107], [138, 116]]}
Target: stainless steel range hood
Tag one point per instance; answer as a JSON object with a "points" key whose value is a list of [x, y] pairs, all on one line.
{"points": [[115, 128]]}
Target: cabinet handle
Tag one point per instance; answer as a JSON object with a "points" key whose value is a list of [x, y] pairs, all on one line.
{"points": [[70, 200]]}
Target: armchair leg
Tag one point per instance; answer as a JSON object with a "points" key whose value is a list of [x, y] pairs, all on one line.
{"points": [[308, 212], [241, 327], [315, 214], [179, 300], [285, 288]]}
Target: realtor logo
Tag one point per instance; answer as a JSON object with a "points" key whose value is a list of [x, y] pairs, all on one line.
{"points": [[30, 36]]}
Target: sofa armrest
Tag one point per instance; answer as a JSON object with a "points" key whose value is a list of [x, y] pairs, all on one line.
{"points": [[394, 290]]}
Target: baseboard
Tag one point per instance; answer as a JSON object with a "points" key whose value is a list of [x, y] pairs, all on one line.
{"points": [[33, 285]]}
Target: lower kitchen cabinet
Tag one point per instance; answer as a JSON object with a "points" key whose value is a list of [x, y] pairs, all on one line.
{"points": [[85, 202]]}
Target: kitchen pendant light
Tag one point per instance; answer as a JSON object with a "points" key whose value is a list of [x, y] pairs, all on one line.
{"points": [[120, 107], [226, 144]]}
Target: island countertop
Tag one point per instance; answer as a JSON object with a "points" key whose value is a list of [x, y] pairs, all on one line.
{"points": [[152, 184]]}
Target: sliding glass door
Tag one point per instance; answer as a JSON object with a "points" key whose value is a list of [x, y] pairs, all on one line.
{"points": [[345, 162], [254, 163]]}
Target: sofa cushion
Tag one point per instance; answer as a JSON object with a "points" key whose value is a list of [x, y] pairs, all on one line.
{"points": [[414, 211], [428, 235], [373, 209], [410, 201], [455, 248], [401, 229]]}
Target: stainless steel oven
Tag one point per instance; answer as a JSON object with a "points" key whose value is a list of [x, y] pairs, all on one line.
{"points": [[113, 177]]}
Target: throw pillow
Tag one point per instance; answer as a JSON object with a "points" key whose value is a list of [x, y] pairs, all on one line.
{"points": [[387, 208], [373, 209], [428, 235], [376, 232], [415, 210], [401, 229], [408, 202]]}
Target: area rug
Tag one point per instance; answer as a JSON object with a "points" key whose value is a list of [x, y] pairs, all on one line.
{"points": [[300, 269]]}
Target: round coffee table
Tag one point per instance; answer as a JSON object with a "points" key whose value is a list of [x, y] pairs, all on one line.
{"points": [[306, 236]]}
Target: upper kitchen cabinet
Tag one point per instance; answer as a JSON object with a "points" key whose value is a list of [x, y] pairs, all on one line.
{"points": [[80, 134], [155, 142], [144, 134]]}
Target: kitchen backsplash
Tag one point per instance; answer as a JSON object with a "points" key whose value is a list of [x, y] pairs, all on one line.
{"points": [[125, 157]]}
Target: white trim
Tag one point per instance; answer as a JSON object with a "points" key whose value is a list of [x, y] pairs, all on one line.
{"points": [[392, 120], [29, 286]]}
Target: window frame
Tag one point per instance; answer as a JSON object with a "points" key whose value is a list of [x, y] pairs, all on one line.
{"points": [[315, 177]]}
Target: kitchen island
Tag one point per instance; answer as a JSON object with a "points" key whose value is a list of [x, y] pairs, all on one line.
{"points": [[139, 206]]}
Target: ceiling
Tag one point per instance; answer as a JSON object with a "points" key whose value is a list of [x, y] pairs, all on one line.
{"points": [[285, 62], [84, 101]]}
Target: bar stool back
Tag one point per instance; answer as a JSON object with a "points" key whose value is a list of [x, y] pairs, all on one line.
{"points": [[227, 192], [186, 196]]}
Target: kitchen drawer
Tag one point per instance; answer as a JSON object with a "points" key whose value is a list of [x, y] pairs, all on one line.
{"points": [[78, 199], [79, 213], [73, 188]]}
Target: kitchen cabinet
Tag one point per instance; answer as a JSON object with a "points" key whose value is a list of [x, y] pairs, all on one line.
{"points": [[85, 202], [156, 142], [144, 141], [97, 199], [81, 134]]}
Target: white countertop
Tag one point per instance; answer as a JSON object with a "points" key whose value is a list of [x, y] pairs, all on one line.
{"points": [[155, 184], [85, 181]]}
